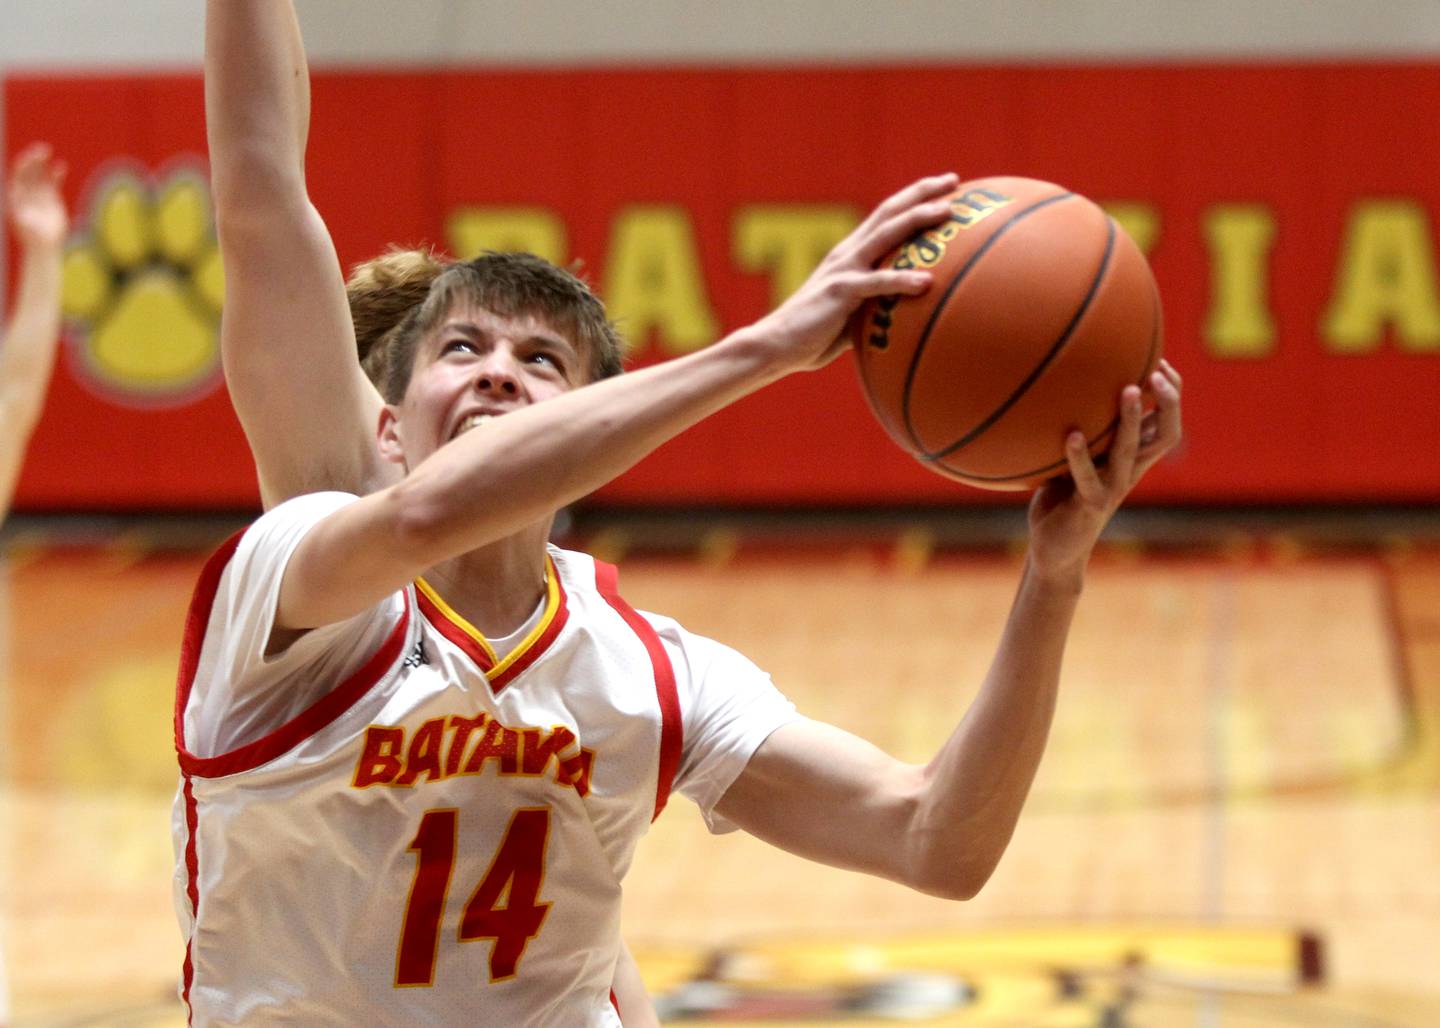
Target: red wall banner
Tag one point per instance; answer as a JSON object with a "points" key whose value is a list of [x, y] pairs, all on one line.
{"points": [[1287, 210]]}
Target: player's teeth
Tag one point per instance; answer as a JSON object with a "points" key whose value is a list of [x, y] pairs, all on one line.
{"points": [[471, 422]]}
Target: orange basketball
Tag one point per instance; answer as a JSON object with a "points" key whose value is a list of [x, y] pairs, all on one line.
{"points": [[1042, 310]]}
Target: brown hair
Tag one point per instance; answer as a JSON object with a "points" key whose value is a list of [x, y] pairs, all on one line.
{"points": [[381, 292], [401, 295]]}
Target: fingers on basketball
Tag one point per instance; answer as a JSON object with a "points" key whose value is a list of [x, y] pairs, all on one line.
{"points": [[898, 228], [916, 193]]}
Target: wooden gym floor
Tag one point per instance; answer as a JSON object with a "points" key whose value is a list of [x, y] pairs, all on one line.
{"points": [[1237, 822]]}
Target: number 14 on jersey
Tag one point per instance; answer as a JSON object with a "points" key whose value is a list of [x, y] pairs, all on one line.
{"points": [[518, 863]]}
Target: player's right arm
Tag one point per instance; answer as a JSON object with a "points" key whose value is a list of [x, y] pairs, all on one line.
{"points": [[516, 470], [287, 342]]}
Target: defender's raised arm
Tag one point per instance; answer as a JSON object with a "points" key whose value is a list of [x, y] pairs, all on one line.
{"points": [[27, 351], [287, 341]]}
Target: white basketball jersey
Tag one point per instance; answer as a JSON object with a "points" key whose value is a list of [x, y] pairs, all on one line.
{"points": [[392, 824]]}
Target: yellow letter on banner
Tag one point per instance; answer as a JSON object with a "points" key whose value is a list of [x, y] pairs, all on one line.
{"points": [[1387, 275], [1141, 221], [1239, 323], [469, 230], [789, 241], [653, 280]]}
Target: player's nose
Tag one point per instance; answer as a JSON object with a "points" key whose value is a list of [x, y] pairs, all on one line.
{"points": [[498, 374]]}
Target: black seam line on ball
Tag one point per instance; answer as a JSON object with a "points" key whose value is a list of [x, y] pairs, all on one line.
{"points": [[1157, 319], [1017, 476], [939, 307], [1150, 356], [1047, 360]]}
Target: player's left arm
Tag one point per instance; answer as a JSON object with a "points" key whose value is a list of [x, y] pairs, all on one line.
{"points": [[27, 355], [825, 794]]}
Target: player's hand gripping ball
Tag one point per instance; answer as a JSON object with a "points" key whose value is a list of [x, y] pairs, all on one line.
{"points": [[1041, 312]]}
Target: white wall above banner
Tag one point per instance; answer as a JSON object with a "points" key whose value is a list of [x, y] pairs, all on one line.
{"points": [[63, 34]]}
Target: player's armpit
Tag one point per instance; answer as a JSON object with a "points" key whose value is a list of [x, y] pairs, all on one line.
{"points": [[821, 793]]}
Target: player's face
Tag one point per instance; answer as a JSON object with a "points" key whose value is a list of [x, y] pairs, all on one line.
{"points": [[475, 366]]}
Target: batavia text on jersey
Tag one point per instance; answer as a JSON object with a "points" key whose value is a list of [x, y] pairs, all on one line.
{"points": [[444, 747]]}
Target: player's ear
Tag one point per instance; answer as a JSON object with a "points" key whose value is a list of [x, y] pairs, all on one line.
{"points": [[388, 438]]}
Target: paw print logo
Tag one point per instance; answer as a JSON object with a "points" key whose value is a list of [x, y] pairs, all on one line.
{"points": [[143, 287]]}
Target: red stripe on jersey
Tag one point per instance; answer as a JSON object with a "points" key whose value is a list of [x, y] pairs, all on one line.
{"points": [[499, 670], [202, 601], [192, 887], [672, 731], [303, 725], [189, 977], [539, 646], [452, 631]]}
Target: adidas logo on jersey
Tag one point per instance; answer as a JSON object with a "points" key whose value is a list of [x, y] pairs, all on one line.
{"points": [[417, 657]]}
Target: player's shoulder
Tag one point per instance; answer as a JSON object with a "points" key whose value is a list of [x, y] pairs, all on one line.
{"points": [[576, 568], [606, 582], [277, 530], [583, 572], [601, 581], [298, 512], [309, 505]]}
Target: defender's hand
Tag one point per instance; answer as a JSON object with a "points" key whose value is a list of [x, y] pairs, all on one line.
{"points": [[1068, 514], [807, 330], [35, 205]]}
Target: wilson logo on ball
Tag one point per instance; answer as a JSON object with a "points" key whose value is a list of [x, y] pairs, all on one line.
{"points": [[926, 250], [966, 210], [974, 205]]}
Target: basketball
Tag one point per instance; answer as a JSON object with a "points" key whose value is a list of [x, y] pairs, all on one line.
{"points": [[1041, 312]]}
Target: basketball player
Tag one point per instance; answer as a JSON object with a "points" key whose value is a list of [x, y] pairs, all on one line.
{"points": [[407, 725], [309, 416], [37, 216]]}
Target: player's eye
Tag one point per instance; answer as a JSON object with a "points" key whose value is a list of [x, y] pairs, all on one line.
{"points": [[458, 345], [544, 357]]}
